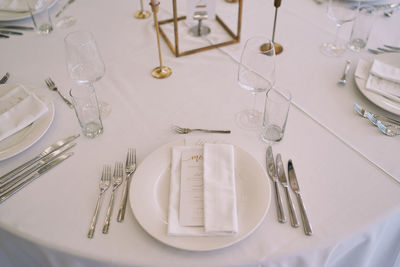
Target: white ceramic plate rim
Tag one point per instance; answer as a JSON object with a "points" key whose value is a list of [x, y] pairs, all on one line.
{"points": [[28, 136], [377, 99], [10, 16], [149, 199]]}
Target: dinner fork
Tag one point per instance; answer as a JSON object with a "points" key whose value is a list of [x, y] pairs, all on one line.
{"points": [[130, 167], [52, 86], [117, 181], [105, 182], [181, 130]]}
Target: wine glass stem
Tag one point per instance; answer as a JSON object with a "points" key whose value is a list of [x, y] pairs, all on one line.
{"points": [[336, 40], [253, 107]]}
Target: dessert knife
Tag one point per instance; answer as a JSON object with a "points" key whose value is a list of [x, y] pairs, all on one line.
{"points": [[282, 178], [35, 175], [44, 153], [274, 177], [295, 187]]}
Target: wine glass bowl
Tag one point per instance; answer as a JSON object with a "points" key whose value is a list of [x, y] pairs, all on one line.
{"points": [[256, 74]]}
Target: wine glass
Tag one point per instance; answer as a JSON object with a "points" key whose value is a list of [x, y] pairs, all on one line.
{"points": [[340, 11], [84, 63], [256, 74]]}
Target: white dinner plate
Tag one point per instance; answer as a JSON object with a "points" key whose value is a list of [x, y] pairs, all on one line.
{"points": [[10, 16], [380, 101], [149, 197], [26, 137]]}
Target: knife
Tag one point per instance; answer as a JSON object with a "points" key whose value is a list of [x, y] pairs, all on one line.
{"points": [[64, 7], [282, 178], [35, 175], [295, 187], [5, 78], [392, 47], [273, 175], [16, 179], [15, 27], [44, 153], [10, 32], [4, 36]]}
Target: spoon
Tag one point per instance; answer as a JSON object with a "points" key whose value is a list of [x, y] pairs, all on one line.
{"points": [[343, 80]]}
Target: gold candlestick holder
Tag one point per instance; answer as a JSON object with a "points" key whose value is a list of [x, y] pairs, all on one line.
{"points": [[278, 47], [142, 14], [160, 72]]}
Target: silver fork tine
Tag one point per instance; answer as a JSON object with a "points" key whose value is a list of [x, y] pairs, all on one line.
{"points": [[105, 182]]}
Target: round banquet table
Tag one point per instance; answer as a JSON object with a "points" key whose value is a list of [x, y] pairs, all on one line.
{"points": [[348, 171]]}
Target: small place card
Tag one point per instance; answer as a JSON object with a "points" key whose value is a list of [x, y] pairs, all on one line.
{"points": [[193, 6], [191, 207]]}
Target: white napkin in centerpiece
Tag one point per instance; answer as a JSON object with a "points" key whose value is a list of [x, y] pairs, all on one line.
{"points": [[20, 5], [19, 108], [220, 214], [380, 78]]}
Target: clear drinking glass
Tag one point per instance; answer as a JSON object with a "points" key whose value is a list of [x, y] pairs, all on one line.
{"points": [[340, 11], [256, 74], [84, 61]]}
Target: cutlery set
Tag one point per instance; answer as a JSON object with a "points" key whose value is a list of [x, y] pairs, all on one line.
{"points": [[276, 172], [388, 126], [16, 179], [114, 183]]}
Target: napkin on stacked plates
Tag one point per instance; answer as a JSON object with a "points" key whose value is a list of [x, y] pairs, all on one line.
{"points": [[21, 5], [219, 192], [19, 108], [382, 78]]}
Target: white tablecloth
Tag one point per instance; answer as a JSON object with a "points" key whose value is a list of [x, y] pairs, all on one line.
{"points": [[347, 169]]}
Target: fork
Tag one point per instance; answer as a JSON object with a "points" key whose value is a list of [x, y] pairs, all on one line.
{"points": [[105, 182], [130, 167], [117, 181], [52, 86], [181, 130]]}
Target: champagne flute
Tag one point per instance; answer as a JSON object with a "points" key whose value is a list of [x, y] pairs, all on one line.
{"points": [[84, 63], [256, 74], [340, 11]]}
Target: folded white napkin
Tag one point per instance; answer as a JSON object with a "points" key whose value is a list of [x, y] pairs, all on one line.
{"points": [[220, 214], [21, 5], [19, 108], [380, 79]]}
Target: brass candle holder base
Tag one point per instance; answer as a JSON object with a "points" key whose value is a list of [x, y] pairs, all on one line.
{"points": [[266, 47], [161, 72], [231, 1], [142, 14]]}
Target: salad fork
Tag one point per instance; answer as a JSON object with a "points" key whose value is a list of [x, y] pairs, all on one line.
{"points": [[130, 167], [181, 130], [117, 181], [52, 86], [105, 182]]}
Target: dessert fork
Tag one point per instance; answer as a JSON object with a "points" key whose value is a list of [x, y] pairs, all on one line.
{"points": [[117, 181], [105, 182], [130, 167], [52, 86], [181, 130]]}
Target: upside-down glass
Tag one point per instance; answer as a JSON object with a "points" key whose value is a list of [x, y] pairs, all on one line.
{"points": [[340, 11], [84, 61], [256, 74]]}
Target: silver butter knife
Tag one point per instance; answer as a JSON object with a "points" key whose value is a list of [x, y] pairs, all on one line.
{"points": [[44, 153], [295, 187], [282, 178], [35, 175], [273, 175], [16, 179]]}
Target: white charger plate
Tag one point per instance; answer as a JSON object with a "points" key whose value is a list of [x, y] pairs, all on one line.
{"points": [[149, 197], [26, 137], [10, 16], [380, 101]]}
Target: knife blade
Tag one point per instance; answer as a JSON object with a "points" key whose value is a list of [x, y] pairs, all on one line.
{"points": [[16, 179], [44, 153], [4, 36], [16, 27], [282, 178], [392, 47], [10, 32], [5, 78], [35, 175], [273, 175], [295, 187]]}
